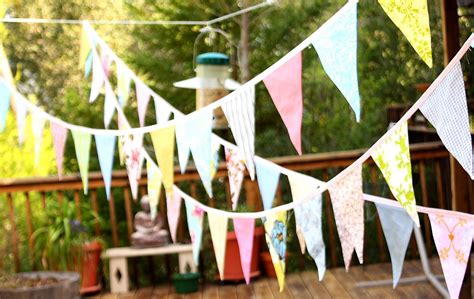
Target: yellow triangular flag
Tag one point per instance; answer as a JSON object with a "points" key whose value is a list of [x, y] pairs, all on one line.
{"points": [[275, 235], [412, 18], [163, 142], [85, 48], [218, 228], [154, 187]]}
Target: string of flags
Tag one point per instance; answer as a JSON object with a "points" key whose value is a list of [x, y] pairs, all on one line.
{"points": [[453, 251]]}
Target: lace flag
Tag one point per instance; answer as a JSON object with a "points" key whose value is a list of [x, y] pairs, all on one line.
{"points": [[195, 217], [82, 144], [393, 159], [59, 135], [268, 178], [105, 151], [275, 235], [244, 228], [218, 228]]}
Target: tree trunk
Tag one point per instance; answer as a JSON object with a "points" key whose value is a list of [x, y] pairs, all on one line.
{"points": [[244, 46]]}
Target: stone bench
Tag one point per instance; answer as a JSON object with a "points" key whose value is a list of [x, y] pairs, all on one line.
{"points": [[119, 280]]}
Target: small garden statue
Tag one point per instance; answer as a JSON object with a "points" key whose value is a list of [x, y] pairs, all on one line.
{"points": [[149, 232]]}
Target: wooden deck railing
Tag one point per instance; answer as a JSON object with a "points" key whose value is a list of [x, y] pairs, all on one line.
{"points": [[430, 175]]}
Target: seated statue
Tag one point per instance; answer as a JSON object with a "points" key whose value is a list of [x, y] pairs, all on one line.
{"points": [[149, 232]]}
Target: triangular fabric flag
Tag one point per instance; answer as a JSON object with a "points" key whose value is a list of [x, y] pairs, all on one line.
{"points": [[85, 48], [4, 104], [106, 63], [154, 187], [123, 84], [397, 227], [105, 151], [88, 65], [195, 217], [109, 105], [392, 156], [308, 219], [162, 110], [143, 97], [348, 206], [244, 228], [275, 235], [173, 207], [98, 78], [5, 71], [284, 86], [199, 126], [453, 238], [413, 20], [235, 169], [121, 124], [446, 109], [163, 142], [132, 149], [218, 228], [82, 144], [240, 112], [182, 144], [59, 135], [21, 111], [38, 122], [268, 178], [336, 45]]}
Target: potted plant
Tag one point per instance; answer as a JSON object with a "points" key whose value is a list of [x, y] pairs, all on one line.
{"points": [[185, 283], [65, 243]]}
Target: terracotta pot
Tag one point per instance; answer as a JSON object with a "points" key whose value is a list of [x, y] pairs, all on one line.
{"points": [[232, 266], [90, 266], [268, 264]]}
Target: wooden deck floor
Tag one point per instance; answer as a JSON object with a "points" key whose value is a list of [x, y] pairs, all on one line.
{"points": [[336, 284]]}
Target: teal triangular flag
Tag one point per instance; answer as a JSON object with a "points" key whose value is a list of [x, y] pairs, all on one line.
{"points": [[105, 150], [397, 227], [4, 104], [268, 178], [82, 144]]}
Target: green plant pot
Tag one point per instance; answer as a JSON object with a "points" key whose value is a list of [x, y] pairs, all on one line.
{"points": [[186, 283]]}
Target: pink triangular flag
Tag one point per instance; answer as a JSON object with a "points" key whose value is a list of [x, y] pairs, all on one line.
{"points": [[59, 134], [244, 228], [173, 206], [235, 169], [143, 97], [453, 238], [284, 86]]}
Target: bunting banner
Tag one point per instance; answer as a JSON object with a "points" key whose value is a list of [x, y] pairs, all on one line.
{"points": [[123, 84], [309, 220], [132, 149], [199, 132], [38, 122], [336, 45], [85, 49], [446, 110], [4, 104], [240, 113], [98, 79], [235, 169], [453, 237], [162, 111], [105, 151], [143, 97], [397, 229], [173, 207], [121, 138], [21, 111], [218, 228], [195, 216], [106, 63], [393, 159], [182, 144], [154, 187], [285, 89], [268, 179], [275, 235], [59, 135], [82, 144], [109, 105], [412, 18], [244, 228], [348, 206], [163, 143]]}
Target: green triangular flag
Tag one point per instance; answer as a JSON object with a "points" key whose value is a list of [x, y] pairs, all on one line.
{"points": [[82, 144]]}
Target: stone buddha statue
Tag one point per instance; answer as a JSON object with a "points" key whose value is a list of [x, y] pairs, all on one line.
{"points": [[149, 232]]}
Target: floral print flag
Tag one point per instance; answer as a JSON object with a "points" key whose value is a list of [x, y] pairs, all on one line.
{"points": [[218, 228], [453, 238], [132, 148], [412, 18], [244, 228], [173, 207], [393, 159], [348, 206], [275, 235], [235, 168], [195, 216], [446, 109]]}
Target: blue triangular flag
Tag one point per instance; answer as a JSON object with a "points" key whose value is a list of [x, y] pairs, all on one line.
{"points": [[182, 144], [336, 44], [268, 178], [199, 130], [4, 104], [105, 150], [88, 65], [397, 227]]}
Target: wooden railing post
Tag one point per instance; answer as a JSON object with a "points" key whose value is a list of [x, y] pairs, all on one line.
{"points": [[16, 256], [29, 227], [95, 207]]}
